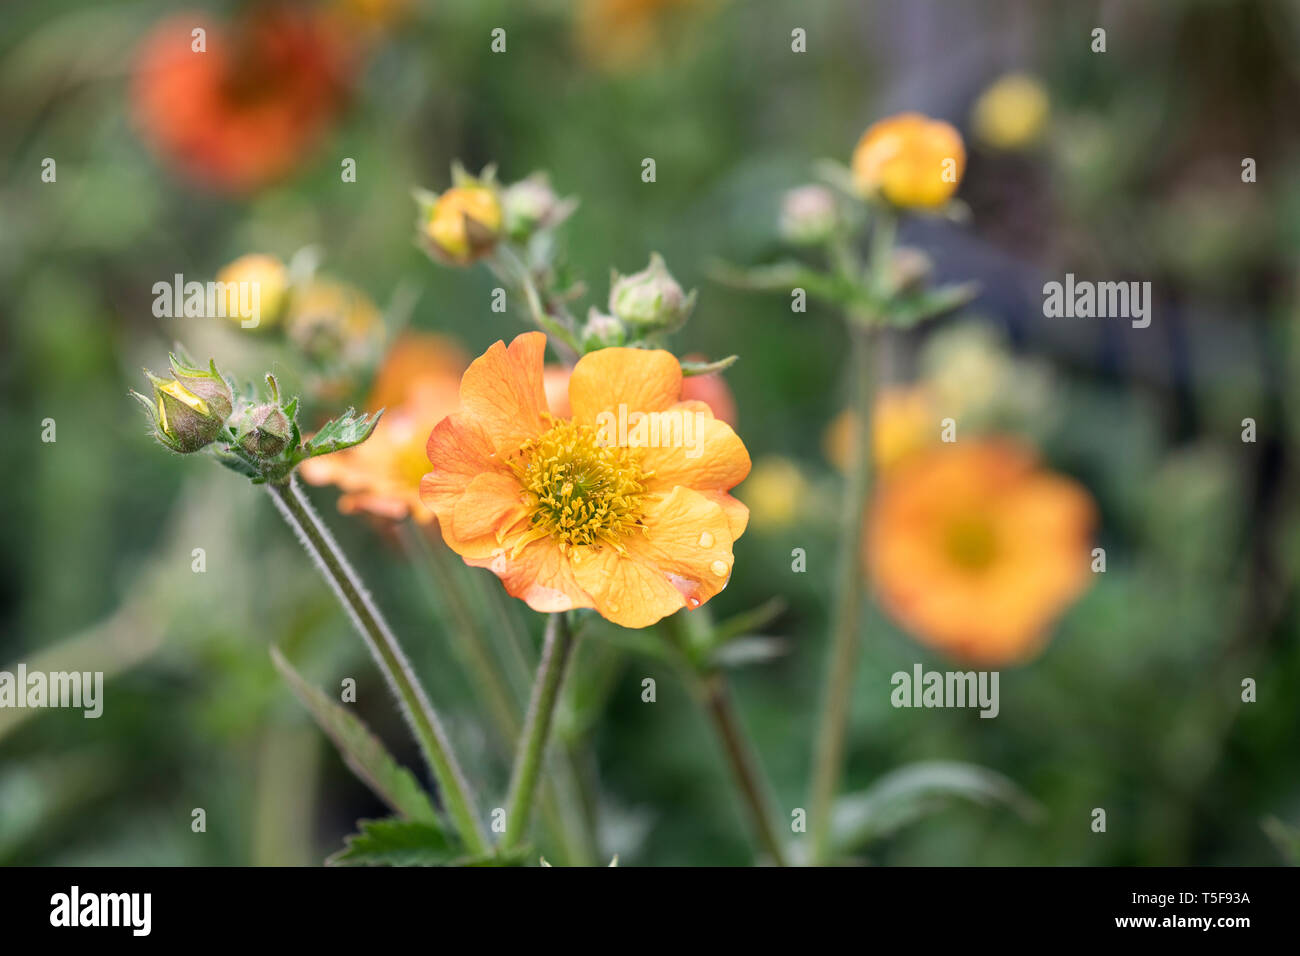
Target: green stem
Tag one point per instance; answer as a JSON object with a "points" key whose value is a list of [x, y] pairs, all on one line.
{"points": [[388, 654], [532, 745], [828, 747], [484, 672], [744, 765]]}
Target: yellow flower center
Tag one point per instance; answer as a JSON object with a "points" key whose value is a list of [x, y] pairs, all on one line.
{"points": [[971, 542], [580, 492]]}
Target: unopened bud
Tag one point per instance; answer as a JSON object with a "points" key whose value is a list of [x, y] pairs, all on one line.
{"points": [[529, 205], [809, 215], [651, 300], [188, 411], [463, 224], [602, 331], [265, 431]]}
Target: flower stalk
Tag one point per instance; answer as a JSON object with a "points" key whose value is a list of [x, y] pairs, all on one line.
{"points": [[388, 654], [828, 747], [556, 646]]}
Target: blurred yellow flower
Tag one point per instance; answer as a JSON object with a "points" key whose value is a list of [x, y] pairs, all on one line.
{"points": [[265, 274], [904, 420], [976, 550], [1012, 113], [911, 160], [774, 490], [464, 223]]}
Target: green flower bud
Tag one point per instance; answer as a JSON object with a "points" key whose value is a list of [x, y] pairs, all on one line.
{"points": [[184, 420], [809, 215], [265, 431], [602, 331], [651, 300]]}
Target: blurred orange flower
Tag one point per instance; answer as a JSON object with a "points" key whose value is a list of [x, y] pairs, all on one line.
{"points": [[419, 385], [976, 550], [575, 512], [241, 111], [911, 160]]}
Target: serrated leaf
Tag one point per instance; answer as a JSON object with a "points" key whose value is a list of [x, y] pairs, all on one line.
{"points": [[393, 842], [361, 750], [917, 790], [708, 368], [346, 431]]}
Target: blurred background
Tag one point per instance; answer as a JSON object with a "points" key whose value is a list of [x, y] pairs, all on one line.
{"points": [[1125, 164]]}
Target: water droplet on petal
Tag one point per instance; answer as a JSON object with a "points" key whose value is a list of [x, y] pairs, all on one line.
{"points": [[706, 540], [719, 568], [693, 603]]}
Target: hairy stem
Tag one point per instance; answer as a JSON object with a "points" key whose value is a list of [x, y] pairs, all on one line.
{"points": [[532, 745], [388, 654]]}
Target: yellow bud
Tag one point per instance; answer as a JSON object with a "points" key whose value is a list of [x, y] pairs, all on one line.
{"points": [[464, 223]]}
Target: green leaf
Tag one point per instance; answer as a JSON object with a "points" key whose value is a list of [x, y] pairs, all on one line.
{"points": [[909, 793], [908, 311], [393, 842], [347, 430], [747, 622], [708, 368], [361, 750]]}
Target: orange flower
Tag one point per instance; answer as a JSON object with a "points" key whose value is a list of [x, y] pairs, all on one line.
{"points": [[419, 385], [243, 110], [623, 507], [911, 160], [976, 550]]}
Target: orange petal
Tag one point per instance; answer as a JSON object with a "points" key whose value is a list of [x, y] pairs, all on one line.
{"points": [[539, 575], [459, 451], [683, 559], [491, 503], [643, 380], [694, 449], [502, 390]]}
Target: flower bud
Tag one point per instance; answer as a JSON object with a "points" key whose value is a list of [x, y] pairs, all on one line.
{"points": [[529, 205], [1012, 113], [602, 331], [188, 411], [464, 223], [651, 300], [265, 431], [809, 215]]}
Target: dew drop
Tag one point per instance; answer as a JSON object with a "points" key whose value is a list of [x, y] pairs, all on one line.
{"points": [[706, 540], [613, 608], [719, 568], [693, 602]]}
